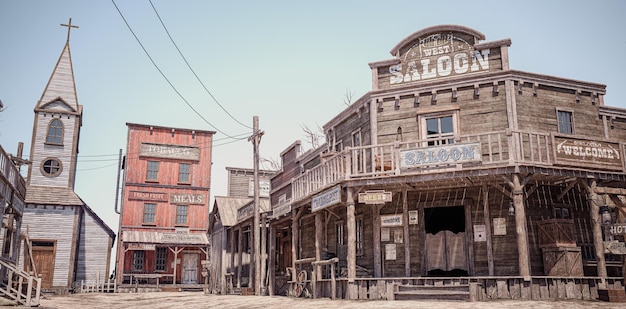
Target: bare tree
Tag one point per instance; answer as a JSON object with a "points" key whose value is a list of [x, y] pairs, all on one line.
{"points": [[275, 164], [313, 137], [347, 97]]}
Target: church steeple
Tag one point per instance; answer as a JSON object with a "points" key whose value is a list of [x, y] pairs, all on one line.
{"points": [[56, 129]]}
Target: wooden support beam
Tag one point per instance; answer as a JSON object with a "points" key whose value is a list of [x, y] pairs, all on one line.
{"points": [[569, 187], [376, 230], [350, 213], [596, 224], [487, 220], [407, 240]]}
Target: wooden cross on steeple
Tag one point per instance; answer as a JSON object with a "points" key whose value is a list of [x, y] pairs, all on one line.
{"points": [[69, 27]]}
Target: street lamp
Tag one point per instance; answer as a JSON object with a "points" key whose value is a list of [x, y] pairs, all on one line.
{"points": [[605, 213], [511, 208]]}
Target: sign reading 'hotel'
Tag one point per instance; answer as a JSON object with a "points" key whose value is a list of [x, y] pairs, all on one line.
{"points": [[169, 151]]}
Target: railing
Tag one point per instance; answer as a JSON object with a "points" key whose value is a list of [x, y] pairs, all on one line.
{"points": [[497, 149], [9, 171], [22, 287]]}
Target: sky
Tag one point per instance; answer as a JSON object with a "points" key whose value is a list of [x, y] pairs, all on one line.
{"points": [[291, 63]]}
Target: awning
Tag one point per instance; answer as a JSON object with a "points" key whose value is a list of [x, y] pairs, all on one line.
{"points": [[165, 238]]}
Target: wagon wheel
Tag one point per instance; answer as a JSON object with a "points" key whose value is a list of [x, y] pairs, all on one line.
{"points": [[300, 282]]}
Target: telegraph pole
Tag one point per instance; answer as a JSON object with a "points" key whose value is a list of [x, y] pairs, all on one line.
{"points": [[256, 139]]}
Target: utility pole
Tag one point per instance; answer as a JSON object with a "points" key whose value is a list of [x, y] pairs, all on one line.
{"points": [[256, 139]]}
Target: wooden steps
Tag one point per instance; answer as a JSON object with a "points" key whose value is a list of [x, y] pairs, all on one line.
{"points": [[433, 292]]}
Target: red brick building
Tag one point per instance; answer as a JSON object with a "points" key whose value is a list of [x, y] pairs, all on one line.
{"points": [[164, 215]]}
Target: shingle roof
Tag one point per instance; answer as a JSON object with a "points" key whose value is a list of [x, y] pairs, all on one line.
{"points": [[52, 196]]}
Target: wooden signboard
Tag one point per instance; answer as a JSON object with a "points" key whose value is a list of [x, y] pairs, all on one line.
{"points": [[589, 153], [375, 197], [615, 247], [440, 155], [326, 198], [169, 151], [618, 229], [148, 196], [187, 198], [391, 220]]}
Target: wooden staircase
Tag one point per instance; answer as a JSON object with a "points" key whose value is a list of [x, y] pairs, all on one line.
{"points": [[19, 287], [432, 292]]}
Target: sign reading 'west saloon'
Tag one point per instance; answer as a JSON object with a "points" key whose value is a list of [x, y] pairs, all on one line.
{"points": [[439, 55], [440, 155]]}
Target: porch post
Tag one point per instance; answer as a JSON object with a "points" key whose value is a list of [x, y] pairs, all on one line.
{"points": [[239, 254], [520, 227], [295, 236], [487, 219], [318, 244], [378, 269], [350, 209], [272, 260], [263, 253], [596, 227], [407, 241]]}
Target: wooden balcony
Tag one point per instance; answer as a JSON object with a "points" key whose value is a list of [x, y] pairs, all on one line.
{"points": [[494, 150], [10, 174]]}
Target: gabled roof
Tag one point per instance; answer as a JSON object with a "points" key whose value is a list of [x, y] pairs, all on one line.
{"points": [[61, 85], [226, 207]]}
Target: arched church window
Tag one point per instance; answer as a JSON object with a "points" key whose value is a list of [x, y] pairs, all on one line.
{"points": [[55, 132], [51, 167]]}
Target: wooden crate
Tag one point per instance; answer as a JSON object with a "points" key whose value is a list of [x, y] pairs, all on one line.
{"points": [[562, 261], [612, 295]]}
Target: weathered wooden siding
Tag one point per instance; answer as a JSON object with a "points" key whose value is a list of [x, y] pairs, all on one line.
{"points": [[94, 252], [40, 150], [239, 181], [48, 219]]}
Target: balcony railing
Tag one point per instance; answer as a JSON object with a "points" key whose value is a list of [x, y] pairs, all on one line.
{"points": [[11, 173], [497, 149]]}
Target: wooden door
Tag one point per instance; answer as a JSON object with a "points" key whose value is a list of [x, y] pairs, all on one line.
{"points": [[43, 259], [190, 268]]}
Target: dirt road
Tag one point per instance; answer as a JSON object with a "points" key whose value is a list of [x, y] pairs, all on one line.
{"points": [[192, 300]]}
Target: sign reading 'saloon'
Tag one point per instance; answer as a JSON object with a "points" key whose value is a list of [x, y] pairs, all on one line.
{"points": [[440, 155], [439, 55]]}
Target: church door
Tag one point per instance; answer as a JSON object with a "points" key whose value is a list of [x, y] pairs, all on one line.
{"points": [[43, 259]]}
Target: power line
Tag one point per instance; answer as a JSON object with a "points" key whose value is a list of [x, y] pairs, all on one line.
{"points": [[163, 74], [192, 70]]}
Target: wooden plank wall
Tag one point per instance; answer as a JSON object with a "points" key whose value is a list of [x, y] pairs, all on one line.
{"points": [[94, 251], [41, 151], [48, 219]]}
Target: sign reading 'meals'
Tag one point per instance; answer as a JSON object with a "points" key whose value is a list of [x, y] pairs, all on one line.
{"points": [[326, 198], [440, 155], [439, 55]]}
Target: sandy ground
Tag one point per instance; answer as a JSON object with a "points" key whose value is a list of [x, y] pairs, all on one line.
{"points": [[191, 300]]}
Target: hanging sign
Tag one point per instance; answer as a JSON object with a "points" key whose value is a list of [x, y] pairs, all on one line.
{"points": [[615, 247], [600, 154], [375, 197], [326, 198], [391, 220], [618, 229]]}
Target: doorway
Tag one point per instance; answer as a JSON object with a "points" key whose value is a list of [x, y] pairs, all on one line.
{"points": [[43, 260], [190, 268], [446, 252]]}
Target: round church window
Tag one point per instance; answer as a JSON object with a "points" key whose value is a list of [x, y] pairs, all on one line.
{"points": [[51, 167]]}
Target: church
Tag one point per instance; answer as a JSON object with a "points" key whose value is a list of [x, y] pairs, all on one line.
{"points": [[69, 243]]}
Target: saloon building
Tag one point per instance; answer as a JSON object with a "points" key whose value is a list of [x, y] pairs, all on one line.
{"points": [[456, 175], [165, 208]]}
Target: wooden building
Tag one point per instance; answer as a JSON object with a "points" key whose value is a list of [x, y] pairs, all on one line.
{"points": [[456, 171], [165, 209], [70, 243], [231, 230]]}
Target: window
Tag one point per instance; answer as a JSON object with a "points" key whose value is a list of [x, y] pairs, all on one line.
{"points": [[438, 129], [566, 121], [339, 233], [153, 171], [51, 167], [161, 259], [149, 212], [138, 258], [356, 138], [359, 236], [55, 132], [181, 214], [184, 172]]}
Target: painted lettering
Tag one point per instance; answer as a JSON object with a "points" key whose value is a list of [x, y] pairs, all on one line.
{"points": [[442, 66]]}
